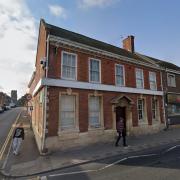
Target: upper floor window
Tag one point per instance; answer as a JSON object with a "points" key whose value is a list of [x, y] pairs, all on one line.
{"points": [[152, 80], [139, 78], [119, 73], [94, 70], [94, 111], [171, 79], [69, 66], [141, 109]]}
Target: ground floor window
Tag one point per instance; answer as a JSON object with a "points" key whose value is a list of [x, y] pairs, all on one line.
{"points": [[173, 109], [94, 111], [154, 109], [141, 110], [67, 112], [173, 101]]}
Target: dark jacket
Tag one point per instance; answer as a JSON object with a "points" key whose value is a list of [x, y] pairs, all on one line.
{"points": [[19, 133], [121, 127]]}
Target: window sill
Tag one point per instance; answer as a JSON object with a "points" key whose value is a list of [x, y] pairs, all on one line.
{"points": [[142, 123], [96, 129], [118, 85], [94, 82], [68, 134], [69, 79], [68, 131], [155, 122]]}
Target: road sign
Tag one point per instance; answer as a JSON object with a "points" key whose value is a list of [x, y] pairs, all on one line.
{"points": [[29, 97], [31, 108]]}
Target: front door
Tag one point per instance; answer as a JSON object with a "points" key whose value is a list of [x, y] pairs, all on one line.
{"points": [[121, 112]]}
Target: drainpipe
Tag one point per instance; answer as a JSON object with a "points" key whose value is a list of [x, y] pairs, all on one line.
{"points": [[164, 100], [44, 150]]}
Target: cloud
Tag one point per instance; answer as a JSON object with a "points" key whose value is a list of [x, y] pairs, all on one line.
{"points": [[96, 3], [58, 11], [17, 44], [1, 88]]}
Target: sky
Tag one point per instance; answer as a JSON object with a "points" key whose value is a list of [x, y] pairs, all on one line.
{"points": [[155, 25]]}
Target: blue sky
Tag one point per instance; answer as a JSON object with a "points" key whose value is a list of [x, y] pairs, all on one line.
{"points": [[155, 25]]}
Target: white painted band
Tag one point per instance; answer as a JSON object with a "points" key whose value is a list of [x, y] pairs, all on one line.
{"points": [[92, 86]]}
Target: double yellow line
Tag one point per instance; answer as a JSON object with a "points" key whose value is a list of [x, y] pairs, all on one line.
{"points": [[8, 137]]}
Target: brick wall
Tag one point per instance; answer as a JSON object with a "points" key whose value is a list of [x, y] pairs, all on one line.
{"points": [[53, 118], [107, 68]]}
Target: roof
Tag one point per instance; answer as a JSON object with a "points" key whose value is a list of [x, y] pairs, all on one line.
{"points": [[79, 38], [165, 64]]}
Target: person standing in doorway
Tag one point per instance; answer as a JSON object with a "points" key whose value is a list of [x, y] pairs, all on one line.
{"points": [[121, 131], [17, 138]]}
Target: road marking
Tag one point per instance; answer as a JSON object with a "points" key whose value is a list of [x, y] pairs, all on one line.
{"points": [[112, 164], [8, 137], [144, 155], [171, 148], [105, 167], [70, 173]]}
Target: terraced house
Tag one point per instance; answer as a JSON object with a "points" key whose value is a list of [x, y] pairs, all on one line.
{"points": [[171, 84], [81, 86]]}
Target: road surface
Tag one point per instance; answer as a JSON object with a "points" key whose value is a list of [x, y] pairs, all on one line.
{"points": [[160, 163], [7, 118]]}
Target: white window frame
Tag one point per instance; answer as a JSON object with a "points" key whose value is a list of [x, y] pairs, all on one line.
{"points": [[75, 111], [100, 111], [156, 109], [143, 110], [150, 73], [74, 79], [101, 127], [99, 70], [123, 75], [170, 85], [137, 69]]}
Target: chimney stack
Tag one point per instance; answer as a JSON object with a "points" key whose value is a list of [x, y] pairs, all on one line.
{"points": [[128, 44]]}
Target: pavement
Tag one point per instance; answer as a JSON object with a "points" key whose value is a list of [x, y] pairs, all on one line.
{"points": [[30, 162]]}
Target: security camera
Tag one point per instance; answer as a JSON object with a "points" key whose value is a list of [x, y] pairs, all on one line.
{"points": [[43, 62]]}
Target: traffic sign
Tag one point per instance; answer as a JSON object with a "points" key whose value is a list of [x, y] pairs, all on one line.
{"points": [[29, 97]]}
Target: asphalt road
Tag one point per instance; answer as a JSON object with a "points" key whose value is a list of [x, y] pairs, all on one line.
{"points": [[160, 163], [7, 118]]}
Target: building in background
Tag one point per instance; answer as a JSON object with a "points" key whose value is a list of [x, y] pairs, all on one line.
{"points": [[2, 101], [7, 100], [81, 86], [171, 83], [14, 96], [171, 86]]}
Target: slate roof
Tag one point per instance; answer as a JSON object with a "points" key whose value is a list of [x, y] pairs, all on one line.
{"points": [[79, 38], [165, 64]]}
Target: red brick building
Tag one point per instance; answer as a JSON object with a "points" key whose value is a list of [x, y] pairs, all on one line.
{"points": [[81, 86]]}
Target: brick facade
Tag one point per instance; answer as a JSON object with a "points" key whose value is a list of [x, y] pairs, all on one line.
{"points": [[47, 111]]}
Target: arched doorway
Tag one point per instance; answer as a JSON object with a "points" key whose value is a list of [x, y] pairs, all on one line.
{"points": [[121, 106]]}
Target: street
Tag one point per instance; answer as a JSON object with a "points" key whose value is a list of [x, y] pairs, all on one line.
{"points": [[159, 163], [6, 120]]}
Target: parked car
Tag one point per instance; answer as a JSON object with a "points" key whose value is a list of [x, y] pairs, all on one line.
{"points": [[8, 107], [12, 105], [1, 109], [4, 107]]}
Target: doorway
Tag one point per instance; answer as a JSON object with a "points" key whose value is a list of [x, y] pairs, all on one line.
{"points": [[121, 112]]}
